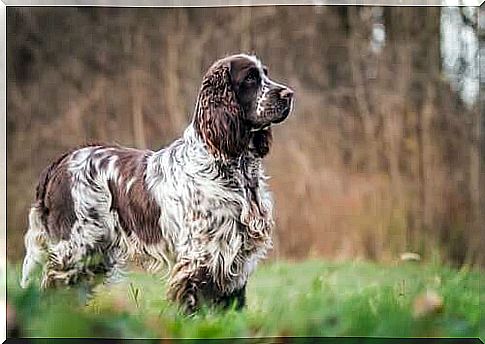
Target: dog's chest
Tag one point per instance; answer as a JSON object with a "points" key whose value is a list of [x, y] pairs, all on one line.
{"points": [[218, 215], [232, 190], [233, 223]]}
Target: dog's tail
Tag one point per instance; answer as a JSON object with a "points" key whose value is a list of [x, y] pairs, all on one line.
{"points": [[35, 245]]}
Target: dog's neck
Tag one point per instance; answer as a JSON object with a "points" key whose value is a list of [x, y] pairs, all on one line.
{"points": [[258, 147], [247, 166]]}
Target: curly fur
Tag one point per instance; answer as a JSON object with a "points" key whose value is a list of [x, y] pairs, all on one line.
{"points": [[199, 208]]}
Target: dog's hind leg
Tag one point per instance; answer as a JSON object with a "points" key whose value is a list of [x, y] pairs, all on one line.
{"points": [[82, 257], [62, 267], [35, 245]]}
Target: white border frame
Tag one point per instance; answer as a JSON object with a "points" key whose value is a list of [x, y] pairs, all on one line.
{"points": [[3, 172], [231, 3], [138, 3]]}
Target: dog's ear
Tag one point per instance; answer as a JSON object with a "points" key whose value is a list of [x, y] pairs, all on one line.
{"points": [[218, 116]]}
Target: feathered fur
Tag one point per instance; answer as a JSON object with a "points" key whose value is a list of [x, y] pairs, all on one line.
{"points": [[199, 208]]}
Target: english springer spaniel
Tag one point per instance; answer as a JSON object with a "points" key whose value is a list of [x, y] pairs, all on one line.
{"points": [[199, 207]]}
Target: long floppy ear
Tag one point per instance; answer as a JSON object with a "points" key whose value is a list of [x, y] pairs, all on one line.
{"points": [[218, 116]]}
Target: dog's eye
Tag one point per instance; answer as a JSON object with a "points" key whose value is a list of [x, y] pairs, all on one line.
{"points": [[251, 78]]}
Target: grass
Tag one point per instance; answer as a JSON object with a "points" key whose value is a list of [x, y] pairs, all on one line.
{"points": [[312, 298]]}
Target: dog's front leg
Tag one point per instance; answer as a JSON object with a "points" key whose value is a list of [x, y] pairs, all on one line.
{"points": [[186, 283], [236, 299]]}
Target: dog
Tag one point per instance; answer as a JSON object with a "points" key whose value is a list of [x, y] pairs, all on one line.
{"points": [[200, 208]]}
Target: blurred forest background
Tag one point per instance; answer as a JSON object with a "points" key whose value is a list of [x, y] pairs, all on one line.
{"points": [[381, 155]]}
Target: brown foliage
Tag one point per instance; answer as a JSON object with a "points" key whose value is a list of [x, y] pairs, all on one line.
{"points": [[379, 156]]}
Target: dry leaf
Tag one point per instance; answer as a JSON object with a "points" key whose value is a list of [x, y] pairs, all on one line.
{"points": [[410, 256], [427, 303]]}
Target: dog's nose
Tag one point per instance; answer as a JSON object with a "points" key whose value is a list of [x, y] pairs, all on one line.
{"points": [[286, 93]]}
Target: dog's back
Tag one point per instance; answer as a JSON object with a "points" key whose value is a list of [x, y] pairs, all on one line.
{"points": [[83, 199]]}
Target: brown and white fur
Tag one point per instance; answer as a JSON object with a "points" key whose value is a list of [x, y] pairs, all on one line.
{"points": [[199, 207]]}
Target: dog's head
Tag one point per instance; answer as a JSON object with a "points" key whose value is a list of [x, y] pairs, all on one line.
{"points": [[237, 104]]}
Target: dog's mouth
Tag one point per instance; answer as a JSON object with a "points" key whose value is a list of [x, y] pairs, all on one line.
{"points": [[284, 114], [262, 128]]}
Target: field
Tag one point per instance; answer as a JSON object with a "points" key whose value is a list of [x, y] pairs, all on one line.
{"points": [[312, 298]]}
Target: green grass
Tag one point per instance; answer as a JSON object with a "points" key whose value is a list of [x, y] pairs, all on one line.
{"points": [[312, 298]]}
